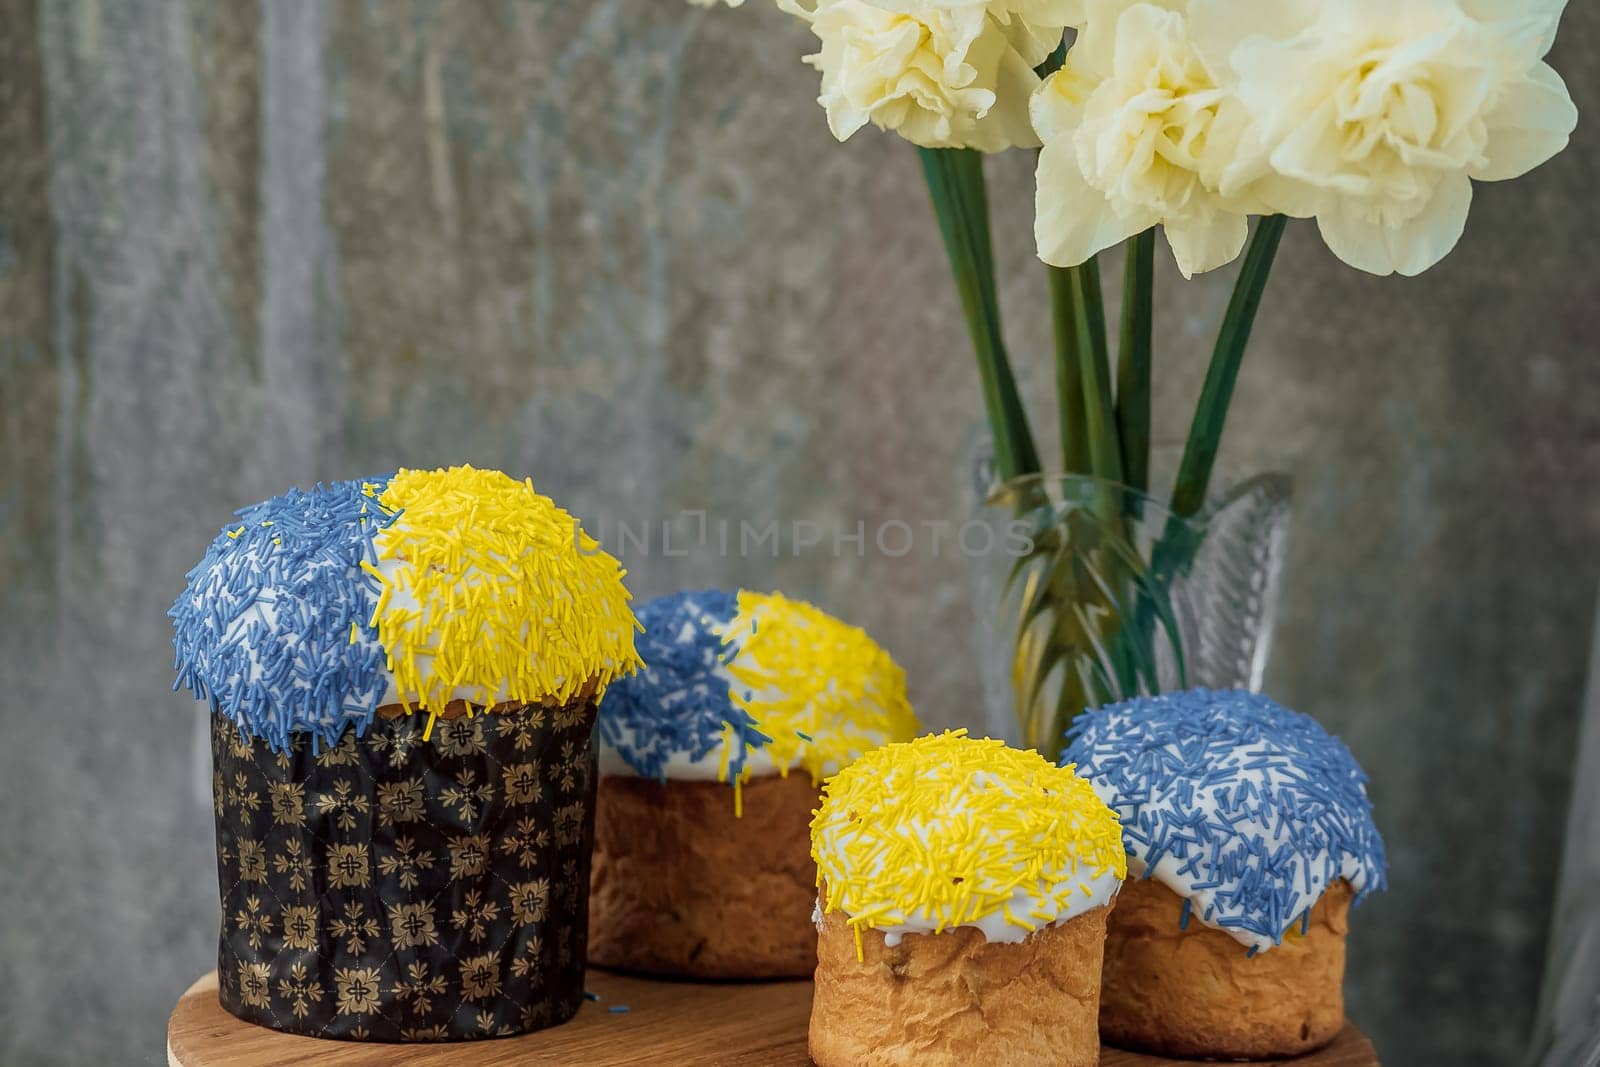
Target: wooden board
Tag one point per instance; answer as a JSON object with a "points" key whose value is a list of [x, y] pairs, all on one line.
{"points": [[666, 1023]]}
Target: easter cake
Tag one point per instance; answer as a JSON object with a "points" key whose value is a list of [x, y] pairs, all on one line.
{"points": [[964, 889], [403, 676], [710, 761], [1249, 838]]}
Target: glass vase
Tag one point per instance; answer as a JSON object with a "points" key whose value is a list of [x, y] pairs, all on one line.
{"points": [[1097, 593]]}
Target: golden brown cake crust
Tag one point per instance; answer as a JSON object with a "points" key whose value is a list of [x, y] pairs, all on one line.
{"points": [[1195, 993], [679, 886], [954, 998]]}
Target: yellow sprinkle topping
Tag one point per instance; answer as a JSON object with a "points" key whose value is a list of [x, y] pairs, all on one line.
{"points": [[947, 827], [497, 593], [822, 689]]}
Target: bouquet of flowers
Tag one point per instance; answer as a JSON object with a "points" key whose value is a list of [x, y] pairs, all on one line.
{"points": [[1373, 117]]}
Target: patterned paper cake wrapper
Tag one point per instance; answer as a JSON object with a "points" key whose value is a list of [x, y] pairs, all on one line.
{"points": [[396, 889]]}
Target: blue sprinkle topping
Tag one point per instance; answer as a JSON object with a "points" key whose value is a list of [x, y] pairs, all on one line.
{"points": [[679, 703], [590, 996], [617, 1009], [1257, 808], [264, 629]]}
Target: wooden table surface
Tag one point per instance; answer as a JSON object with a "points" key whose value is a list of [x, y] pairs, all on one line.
{"points": [[666, 1023]]}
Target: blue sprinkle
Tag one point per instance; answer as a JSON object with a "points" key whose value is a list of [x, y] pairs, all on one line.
{"points": [[590, 996], [680, 704], [802, 736], [617, 1009], [1259, 803], [262, 630]]}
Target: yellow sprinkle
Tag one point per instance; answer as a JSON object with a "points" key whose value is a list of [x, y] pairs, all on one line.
{"points": [[235, 533], [353, 631]]}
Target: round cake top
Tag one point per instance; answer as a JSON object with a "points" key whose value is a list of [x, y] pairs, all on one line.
{"points": [[742, 684], [676, 718], [1247, 810], [950, 831], [415, 589]]}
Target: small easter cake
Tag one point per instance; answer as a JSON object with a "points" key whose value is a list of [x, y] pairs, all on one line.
{"points": [[403, 676], [963, 893], [1249, 837], [710, 762]]}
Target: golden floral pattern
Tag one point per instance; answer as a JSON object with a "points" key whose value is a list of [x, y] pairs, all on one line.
{"points": [[411, 925], [529, 963], [526, 843], [459, 737], [469, 856], [418, 988], [571, 718], [252, 860], [530, 901], [349, 865], [344, 804], [521, 783], [357, 989], [569, 823], [396, 744], [300, 990], [294, 864], [400, 801], [392, 889], [475, 915], [525, 729], [253, 923], [468, 795], [356, 928], [255, 984], [569, 770], [288, 803], [407, 862], [300, 926], [480, 976], [436, 1032], [341, 755]]}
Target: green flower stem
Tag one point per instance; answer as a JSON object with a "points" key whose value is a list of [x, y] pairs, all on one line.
{"points": [[1069, 379], [1205, 433], [1134, 359], [1094, 370], [960, 201]]}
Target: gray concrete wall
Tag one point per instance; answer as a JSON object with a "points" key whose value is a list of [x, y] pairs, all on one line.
{"points": [[611, 244]]}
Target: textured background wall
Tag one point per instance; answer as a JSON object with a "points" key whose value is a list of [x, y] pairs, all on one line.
{"points": [[247, 244]]}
